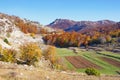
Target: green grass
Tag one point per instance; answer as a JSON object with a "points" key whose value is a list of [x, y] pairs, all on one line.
{"points": [[93, 57], [65, 52], [81, 70], [110, 55], [107, 68]]}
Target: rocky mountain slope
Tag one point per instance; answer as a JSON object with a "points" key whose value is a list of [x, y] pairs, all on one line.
{"points": [[12, 33], [70, 25], [17, 31]]}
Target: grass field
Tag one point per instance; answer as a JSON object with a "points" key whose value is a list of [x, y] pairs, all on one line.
{"points": [[92, 56]]}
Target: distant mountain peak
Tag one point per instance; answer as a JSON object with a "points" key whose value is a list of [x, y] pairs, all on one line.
{"points": [[62, 23], [70, 25], [106, 22]]}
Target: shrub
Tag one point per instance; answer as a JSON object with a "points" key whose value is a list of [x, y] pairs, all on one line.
{"points": [[51, 55], [32, 35], [30, 53], [6, 41], [8, 55], [92, 71]]}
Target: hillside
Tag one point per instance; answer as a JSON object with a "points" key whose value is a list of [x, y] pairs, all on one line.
{"points": [[24, 72], [15, 34]]}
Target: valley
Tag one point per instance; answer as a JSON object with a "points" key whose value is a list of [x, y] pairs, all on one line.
{"points": [[29, 48]]}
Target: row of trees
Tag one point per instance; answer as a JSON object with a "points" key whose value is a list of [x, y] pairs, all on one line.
{"points": [[67, 39], [85, 38]]}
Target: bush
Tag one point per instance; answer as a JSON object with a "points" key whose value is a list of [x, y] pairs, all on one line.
{"points": [[8, 55], [6, 41], [92, 71], [30, 53], [32, 35], [51, 55]]}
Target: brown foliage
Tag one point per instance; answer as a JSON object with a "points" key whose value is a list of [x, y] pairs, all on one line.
{"points": [[86, 37], [26, 27]]}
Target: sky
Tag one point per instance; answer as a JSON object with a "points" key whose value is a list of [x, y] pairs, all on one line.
{"points": [[46, 11]]}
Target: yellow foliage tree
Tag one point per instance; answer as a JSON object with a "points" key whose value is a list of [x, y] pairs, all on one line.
{"points": [[30, 53], [7, 55], [51, 55]]}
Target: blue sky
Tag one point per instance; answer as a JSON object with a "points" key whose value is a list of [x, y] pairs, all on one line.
{"points": [[46, 11]]}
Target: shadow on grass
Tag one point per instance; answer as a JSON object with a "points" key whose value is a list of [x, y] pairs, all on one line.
{"points": [[108, 55]]}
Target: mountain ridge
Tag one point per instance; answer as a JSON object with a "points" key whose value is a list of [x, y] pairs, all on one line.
{"points": [[70, 25]]}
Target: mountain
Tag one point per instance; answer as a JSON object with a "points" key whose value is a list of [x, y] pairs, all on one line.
{"points": [[70, 25], [62, 23]]}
